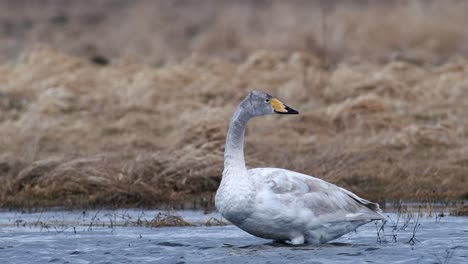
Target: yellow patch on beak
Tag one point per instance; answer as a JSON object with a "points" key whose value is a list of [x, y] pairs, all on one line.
{"points": [[278, 106]]}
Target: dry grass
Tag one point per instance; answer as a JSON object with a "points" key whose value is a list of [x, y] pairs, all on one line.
{"points": [[383, 112], [165, 31], [460, 211], [76, 134], [167, 220], [214, 222]]}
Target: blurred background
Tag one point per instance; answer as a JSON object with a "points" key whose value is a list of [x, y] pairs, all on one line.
{"points": [[159, 32], [119, 103]]}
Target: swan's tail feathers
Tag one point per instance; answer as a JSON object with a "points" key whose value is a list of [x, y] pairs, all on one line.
{"points": [[374, 207]]}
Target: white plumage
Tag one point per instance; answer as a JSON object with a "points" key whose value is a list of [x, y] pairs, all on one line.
{"points": [[280, 204]]}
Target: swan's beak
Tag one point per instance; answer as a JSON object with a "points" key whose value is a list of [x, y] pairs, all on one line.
{"points": [[281, 108]]}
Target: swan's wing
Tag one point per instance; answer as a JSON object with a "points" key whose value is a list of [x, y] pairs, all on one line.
{"points": [[324, 200]]}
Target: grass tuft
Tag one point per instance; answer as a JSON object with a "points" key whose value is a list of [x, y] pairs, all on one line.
{"points": [[460, 211], [169, 219]]}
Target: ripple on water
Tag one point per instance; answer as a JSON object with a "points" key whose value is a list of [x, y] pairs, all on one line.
{"points": [[228, 244]]}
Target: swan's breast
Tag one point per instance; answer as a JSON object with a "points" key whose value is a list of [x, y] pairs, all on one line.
{"points": [[235, 200]]}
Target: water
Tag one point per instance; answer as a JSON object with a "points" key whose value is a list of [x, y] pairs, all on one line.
{"points": [[69, 237]]}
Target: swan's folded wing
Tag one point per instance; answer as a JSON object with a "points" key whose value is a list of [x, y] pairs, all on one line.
{"points": [[325, 200]]}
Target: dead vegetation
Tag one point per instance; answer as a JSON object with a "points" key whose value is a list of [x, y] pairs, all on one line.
{"points": [[162, 32], [77, 134], [110, 219], [167, 220], [215, 222], [130, 135], [460, 210]]}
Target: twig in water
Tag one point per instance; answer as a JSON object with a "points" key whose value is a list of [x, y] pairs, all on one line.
{"points": [[38, 221], [394, 226], [413, 240], [382, 238], [448, 256], [90, 228], [408, 215]]}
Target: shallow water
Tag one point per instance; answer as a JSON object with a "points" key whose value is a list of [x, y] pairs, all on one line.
{"points": [[69, 237]]}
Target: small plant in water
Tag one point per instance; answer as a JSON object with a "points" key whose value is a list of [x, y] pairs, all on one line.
{"points": [[413, 239], [167, 219], [405, 217], [381, 231], [214, 222], [446, 259]]}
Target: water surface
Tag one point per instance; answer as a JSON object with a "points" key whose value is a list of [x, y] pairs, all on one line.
{"points": [[110, 237]]}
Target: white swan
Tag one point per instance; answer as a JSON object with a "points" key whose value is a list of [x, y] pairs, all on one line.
{"points": [[279, 204]]}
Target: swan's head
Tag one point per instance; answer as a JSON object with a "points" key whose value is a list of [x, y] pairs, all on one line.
{"points": [[260, 103]]}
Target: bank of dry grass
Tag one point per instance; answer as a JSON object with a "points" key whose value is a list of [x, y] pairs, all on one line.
{"points": [[381, 87], [76, 134]]}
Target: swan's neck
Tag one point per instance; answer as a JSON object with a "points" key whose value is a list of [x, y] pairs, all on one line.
{"points": [[234, 162], [236, 192]]}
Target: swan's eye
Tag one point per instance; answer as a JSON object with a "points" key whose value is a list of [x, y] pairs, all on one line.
{"points": [[267, 101]]}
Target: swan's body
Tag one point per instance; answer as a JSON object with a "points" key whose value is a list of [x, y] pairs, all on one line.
{"points": [[280, 204]]}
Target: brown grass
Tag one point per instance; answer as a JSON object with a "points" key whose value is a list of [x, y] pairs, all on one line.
{"points": [[167, 220], [460, 211], [76, 134], [165, 31], [386, 126]]}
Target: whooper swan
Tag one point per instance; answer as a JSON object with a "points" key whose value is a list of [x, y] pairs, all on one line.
{"points": [[279, 204]]}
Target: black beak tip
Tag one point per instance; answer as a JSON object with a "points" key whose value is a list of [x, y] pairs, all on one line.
{"points": [[291, 111]]}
